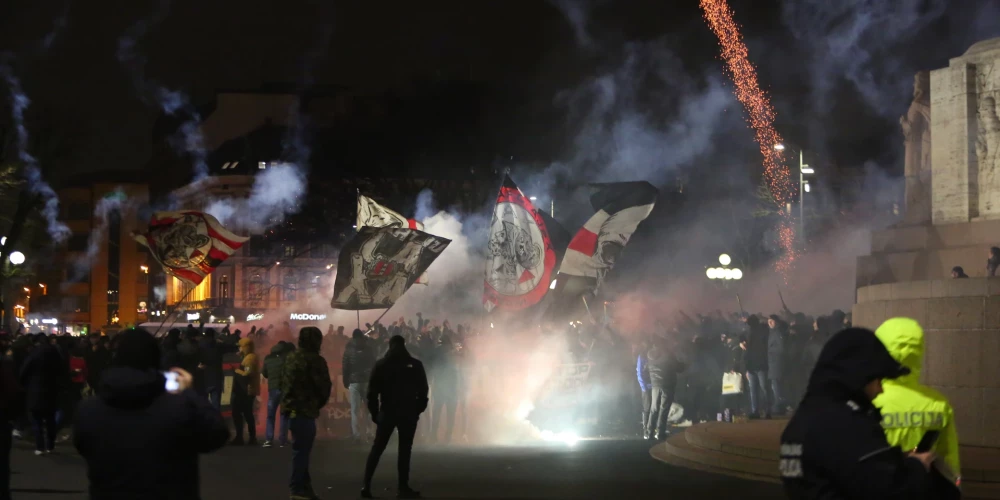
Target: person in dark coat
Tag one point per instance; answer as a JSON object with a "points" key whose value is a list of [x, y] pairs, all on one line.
{"points": [[446, 380], [190, 358], [663, 368], [98, 359], [756, 364], [397, 395], [776, 363], [705, 379], [273, 366], [834, 445], [139, 440], [169, 357], [43, 376], [357, 364], [211, 354], [10, 407]]}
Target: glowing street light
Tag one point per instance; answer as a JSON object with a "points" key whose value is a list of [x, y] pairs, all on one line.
{"points": [[779, 147], [16, 258], [532, 198], [724, 259], [737, 274], [144, 269]]}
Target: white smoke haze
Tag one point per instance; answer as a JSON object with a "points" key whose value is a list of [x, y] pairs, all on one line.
{"points": [[116, 200], [187, 140], [160, 293], [277, 192], [58, 231]]}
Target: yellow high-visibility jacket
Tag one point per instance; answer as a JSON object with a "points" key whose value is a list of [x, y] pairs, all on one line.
{"points": [[910, 409]]}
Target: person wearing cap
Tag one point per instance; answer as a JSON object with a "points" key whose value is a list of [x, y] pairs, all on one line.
{"points": [[139, 439], [397, 395], [910, 409], [246, 386], [834, 446]]}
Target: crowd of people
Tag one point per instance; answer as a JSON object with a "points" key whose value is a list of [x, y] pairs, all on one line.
{"points": [[391, 373]]}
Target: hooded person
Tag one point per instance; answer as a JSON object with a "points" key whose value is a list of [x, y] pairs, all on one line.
{"points": [[305, 389], [357, 363], [397, 395], [211, 352], [138, 439], [834, 446], [273, 365], [43, 375], [246, 387], [910, 409]]}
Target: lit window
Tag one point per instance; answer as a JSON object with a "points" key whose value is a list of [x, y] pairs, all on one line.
{"points": [[262, 165]]}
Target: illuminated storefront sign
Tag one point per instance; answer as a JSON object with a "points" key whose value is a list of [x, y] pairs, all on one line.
{"points": [[255, 317], [307, 317], [193, 316], [50, 321]]}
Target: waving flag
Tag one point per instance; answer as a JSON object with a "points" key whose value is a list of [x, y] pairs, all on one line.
{"points": [[371, 214], [595, 248], [380, 264], [520, 259], [189, 244]]}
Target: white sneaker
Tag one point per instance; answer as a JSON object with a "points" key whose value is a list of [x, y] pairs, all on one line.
{"points": [[39, 453]]}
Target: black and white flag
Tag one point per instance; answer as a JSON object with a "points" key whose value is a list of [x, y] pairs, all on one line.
{"points": [[595, 248], [380, 264]]}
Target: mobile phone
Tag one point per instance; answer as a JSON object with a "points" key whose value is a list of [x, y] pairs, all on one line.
{"points": [[928, 441], [172, 385]]}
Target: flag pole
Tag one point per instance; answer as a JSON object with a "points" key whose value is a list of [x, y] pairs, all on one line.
{"points": [[359, 317], [167, 316]]}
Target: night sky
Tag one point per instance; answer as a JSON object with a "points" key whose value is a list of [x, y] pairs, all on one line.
{"points": [[197, 47]]}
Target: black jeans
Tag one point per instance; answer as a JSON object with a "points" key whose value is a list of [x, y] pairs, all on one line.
{"points": [[647, 403], [661, 398], [44, 425], [242, 407], [446, 405], [407, 429], [303, 436]]}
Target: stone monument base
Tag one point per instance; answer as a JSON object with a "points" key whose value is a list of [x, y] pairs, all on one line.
{"points": [[961, 320], [928, 252]]}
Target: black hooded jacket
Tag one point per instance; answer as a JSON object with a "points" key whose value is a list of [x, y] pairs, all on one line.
{"points": [[398, 385], [834, 446], [140, 441], [358, 361]]}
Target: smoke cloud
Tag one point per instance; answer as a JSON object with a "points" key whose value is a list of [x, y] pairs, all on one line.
{"points": [[187, 140], [116, 200], [277, 192], [58, 231]]}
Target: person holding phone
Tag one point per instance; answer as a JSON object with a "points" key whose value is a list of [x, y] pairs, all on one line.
{"points": [[834, 447], [139, 439], [910, 410]]}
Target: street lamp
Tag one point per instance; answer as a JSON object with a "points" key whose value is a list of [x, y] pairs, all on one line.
{"points": [[803, 188], [724, 259], [16, 258]]}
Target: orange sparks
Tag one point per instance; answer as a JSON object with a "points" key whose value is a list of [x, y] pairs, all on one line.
{"points": [[760, 115]]}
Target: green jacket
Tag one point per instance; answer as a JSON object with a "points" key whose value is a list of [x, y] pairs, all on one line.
{"points": [[910, 409], [274, 362], [305, 384]]}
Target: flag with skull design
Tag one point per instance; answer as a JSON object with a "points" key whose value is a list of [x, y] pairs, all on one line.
{"points": [[620, 207], [189, 244], [520, 259]]}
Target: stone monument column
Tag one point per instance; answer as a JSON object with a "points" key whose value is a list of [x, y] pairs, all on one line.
{"points": [[916, 125]]}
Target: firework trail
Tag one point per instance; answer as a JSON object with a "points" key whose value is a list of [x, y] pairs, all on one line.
{"points": [[760, 116]]}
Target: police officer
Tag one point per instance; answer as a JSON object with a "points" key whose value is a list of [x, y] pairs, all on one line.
{"points": [[397, 395], [909, 409], [834, 447]]}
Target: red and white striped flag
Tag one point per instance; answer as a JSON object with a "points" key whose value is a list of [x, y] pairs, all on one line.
{"points": [[595, 248], [189, 244]]}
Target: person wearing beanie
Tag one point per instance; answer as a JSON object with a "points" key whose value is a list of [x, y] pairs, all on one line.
{"points": [[138, 439], [305, 389], [910, 409], [246, 387], [358, 362], [397, 395], [834, 447]]}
